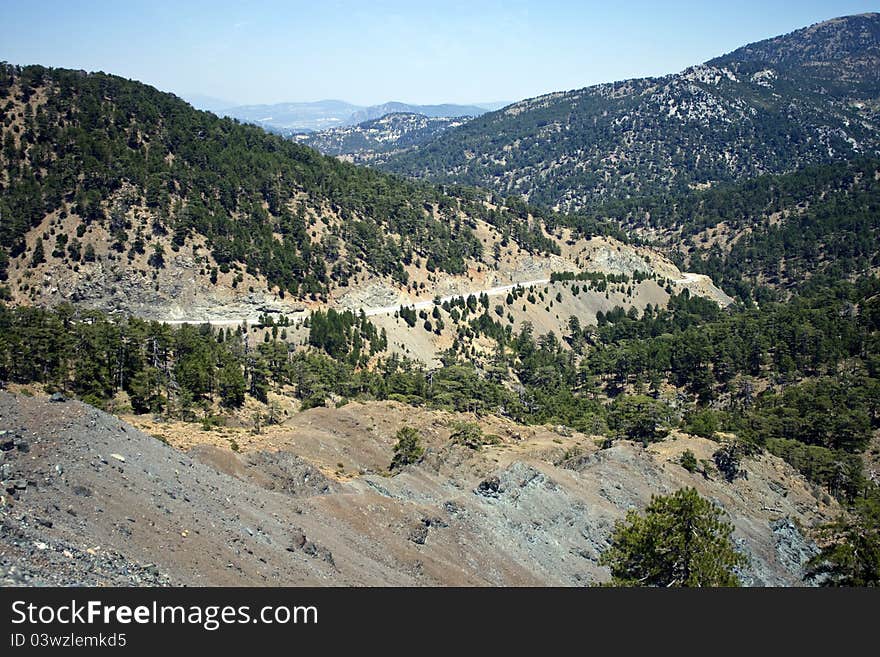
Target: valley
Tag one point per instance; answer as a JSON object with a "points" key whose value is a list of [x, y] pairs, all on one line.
{"points": [[441, 346]]}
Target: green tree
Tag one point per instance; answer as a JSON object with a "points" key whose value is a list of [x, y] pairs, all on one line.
{"points": [[38, 256], [467, 434], [681, 541], [232, 385], [638, 417], [145, 391], [703, 422], [688, 461], [851, 555], [408, 448]]}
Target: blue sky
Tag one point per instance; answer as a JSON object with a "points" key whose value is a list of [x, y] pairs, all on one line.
{"points": [[378, 50]]}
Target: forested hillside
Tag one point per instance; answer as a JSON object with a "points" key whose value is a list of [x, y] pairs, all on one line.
{"points": [[773, 232], [806, 98], [104, 150]]}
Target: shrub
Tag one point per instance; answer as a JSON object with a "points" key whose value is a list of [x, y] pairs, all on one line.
{"points": [[468, 434], [703, 423], [638, 417], [689, 461], [728, 460]]}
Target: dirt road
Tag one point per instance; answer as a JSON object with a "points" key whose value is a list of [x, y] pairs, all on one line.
{"points": [[370, 312]]}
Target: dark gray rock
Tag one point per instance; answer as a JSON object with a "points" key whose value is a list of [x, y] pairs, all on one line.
{"points": [[419, 534], [793, 549], [489, 487]]}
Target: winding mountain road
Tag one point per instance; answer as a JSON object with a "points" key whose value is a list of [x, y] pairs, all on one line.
{"points": [[421, 305], [417, 305], [371, 312]]}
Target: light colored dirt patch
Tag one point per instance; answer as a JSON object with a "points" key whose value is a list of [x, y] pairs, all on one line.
{"points": [[361, 435]]}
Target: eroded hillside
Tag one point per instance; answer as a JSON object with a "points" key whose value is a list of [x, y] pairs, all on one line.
{"points": [[92, 500]]}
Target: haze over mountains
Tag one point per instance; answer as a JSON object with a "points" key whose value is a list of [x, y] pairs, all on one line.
{"points": [[378, 139], [290, 118]]}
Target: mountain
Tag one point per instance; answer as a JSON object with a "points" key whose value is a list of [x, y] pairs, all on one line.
{"points": [[290, 118], [778, 231], [432, 111], [378, 138], [110, 180], [809, 97], [121, 198], [838, 50]]}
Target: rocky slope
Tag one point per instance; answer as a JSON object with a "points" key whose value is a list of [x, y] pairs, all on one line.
{"points": [[807, 97], [89, 499]]}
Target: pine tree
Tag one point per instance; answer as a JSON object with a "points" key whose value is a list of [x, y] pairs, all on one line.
{"points": [[38, 256], [231, 384], [407, 449], [681, 541]]}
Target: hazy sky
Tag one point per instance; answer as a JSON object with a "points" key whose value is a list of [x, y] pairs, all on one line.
{"points": [[378, 50]]}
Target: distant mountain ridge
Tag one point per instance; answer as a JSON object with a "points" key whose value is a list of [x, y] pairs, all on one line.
{"points": [[290, 118], [808, 97], [377, 139]]}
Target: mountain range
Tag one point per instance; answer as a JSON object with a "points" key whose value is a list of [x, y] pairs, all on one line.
{"points": [[298, 117], [369, 141]]}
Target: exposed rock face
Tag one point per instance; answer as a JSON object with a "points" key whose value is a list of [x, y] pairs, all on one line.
{"points": [[91, 500]]}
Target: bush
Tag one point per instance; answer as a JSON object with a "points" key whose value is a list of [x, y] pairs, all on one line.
{"points": [[470, 435], [703, 423], [728, 460], [638, 417], [688, 461], [315, 401]]}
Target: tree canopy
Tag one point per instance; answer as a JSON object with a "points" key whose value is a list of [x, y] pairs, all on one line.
{"points": [[680, 541]]}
